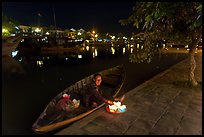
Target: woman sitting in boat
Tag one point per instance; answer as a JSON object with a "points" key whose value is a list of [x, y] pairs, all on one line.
{"points": [[92, 96]]}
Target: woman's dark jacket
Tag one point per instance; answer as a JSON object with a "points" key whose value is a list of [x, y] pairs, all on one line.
{"points": [[92, 94]]}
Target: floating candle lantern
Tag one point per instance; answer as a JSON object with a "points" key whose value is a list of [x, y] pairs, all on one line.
{"points": [[122, 108], [116, 108]]}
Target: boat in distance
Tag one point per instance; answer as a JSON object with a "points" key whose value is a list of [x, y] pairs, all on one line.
{"points": [[9, 44]]}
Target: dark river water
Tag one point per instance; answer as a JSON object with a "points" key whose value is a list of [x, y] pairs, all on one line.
{"points": [[24, 96]]}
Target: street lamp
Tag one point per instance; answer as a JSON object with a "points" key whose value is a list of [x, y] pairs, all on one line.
{"points": [[37, 30]]}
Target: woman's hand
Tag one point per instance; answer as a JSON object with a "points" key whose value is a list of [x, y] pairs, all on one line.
{"points": [[110, 102], [94, 104]]}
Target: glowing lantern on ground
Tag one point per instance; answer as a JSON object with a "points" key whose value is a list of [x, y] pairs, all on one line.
{"points": [[116, 108]]}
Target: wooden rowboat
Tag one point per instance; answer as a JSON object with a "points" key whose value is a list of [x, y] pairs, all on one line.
{"points": [[112, 82]]}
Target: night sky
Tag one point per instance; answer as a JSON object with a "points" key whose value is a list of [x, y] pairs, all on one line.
{"points": [[100, 16]]}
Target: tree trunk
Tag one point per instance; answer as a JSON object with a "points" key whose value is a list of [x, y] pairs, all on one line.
{"points": [[192, 79]]}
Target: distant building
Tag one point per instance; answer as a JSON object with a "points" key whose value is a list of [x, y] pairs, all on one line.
{"points": [[51, 32], [32, 30]]}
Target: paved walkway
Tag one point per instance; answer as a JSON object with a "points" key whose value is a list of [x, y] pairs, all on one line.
{"points": [[163, 105]]}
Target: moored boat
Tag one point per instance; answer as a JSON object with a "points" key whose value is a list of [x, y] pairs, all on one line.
{"points": [[49, 120], [9, 44]]}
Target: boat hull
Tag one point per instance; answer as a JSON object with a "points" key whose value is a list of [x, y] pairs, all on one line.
{"points": [[9, 44]]}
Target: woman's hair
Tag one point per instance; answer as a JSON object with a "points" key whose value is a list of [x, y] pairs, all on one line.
{"points": [[95, 75]]}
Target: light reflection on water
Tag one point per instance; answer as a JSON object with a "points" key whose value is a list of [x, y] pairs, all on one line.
{"points": [[87, 53]]}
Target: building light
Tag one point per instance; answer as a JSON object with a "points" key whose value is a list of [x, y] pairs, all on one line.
{"points": [[79, 56], [13, 34], [47, 33], [131, 50], [96, 52], [124, 50], [100, 40], [14, 53], [124, 38], [40, 63], [113, 50], [37, 30], [138, 45], [20, 60], [87, 48]]}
